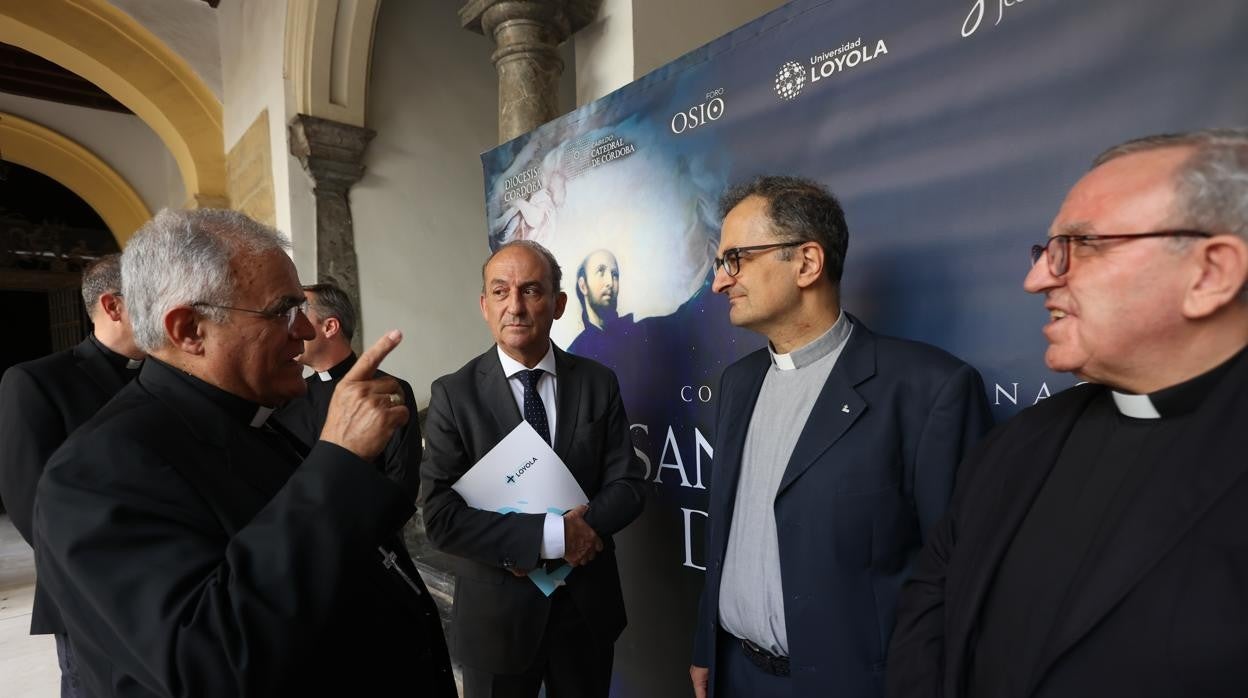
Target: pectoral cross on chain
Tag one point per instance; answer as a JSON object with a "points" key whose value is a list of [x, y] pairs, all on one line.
{"points": [[390, 561]]}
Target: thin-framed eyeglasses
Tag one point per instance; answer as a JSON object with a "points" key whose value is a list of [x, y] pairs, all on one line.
{"points": [[1057, 247], [731, 261], [288, 312]]}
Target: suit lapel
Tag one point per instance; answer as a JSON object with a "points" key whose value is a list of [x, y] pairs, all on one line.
{"points": [[838, 406], [496, 393], [568, 399], [1189, 478]]}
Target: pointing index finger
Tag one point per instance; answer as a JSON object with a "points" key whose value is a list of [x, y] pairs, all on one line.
{"points": [[370, 360]]}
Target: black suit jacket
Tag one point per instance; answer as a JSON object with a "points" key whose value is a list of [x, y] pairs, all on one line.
{"points": [[191, 557], [498, 619], [871, 474], [1162, 607], [305, 416], [42, 402]]}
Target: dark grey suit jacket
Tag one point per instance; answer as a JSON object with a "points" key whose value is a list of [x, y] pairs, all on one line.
{"points": [[42, 402], [498, 619]]}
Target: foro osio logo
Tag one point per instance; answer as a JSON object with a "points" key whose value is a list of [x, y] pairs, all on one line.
{"points": [[699, 114]]}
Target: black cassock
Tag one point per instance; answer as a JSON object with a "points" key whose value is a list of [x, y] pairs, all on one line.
{"points": [[42, 402], [1091, 553], [193, 554], [305, 416]]}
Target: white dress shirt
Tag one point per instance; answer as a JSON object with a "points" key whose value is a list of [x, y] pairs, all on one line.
{"points": [[553, 546]]}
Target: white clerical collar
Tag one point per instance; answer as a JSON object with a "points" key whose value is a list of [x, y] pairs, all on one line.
{"points": [[133, 364], [1135, 406], [511, 367], [831, 340], [324, 376]]}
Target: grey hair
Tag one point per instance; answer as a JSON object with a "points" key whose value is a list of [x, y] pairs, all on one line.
{"points": [[100, 277], [330, 301], [798, 210], [1211, 186], [556, 272], [179, 258]]}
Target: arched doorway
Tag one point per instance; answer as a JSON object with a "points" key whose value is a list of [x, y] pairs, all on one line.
{"points": [[47, 234], [106, 46]]}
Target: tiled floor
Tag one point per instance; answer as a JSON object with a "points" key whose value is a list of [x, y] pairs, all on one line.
{"points": [[27, 664]]}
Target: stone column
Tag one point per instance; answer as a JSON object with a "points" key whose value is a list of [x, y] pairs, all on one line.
{"points": [[331, 153], [527, 34]]}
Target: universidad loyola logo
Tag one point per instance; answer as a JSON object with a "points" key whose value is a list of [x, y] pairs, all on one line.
{"points": [[792, 76], [790, 80]]}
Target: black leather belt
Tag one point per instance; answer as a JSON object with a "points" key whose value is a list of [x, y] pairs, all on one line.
{"points": [[761, 658]]}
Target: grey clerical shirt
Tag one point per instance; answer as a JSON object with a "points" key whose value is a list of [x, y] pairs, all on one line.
{"points": [[751, 599]]}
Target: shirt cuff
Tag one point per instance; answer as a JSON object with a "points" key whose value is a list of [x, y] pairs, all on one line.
{"points": [[552, 538]]}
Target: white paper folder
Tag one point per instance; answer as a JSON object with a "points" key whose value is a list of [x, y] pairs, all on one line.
{"points": [[523, 474]]}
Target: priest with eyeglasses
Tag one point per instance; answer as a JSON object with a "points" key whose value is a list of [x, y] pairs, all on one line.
{"points": [[1097, 543]]}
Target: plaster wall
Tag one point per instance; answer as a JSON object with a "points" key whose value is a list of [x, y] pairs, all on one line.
{"points": [[189, 27], [420, 210], [123, 141], [630, 38], [252, 49], [664, 30], [604, 52]]}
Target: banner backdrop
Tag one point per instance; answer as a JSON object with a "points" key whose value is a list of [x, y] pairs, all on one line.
{"points": [[949, 129]]}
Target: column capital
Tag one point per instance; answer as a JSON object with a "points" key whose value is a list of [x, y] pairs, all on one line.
{"points": [[526, 36], [563, 17], [332, 152]]}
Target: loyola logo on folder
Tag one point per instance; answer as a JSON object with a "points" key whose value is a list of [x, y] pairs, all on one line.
{"points": [[511, 479]]}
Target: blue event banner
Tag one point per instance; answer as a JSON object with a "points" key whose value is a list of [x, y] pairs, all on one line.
{"points": [[949, 129]]}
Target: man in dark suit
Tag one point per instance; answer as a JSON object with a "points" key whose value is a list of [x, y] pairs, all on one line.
{"points": [[508, 635], [835, 452], [330, 357], [194, 550], [1098, 543], [43, 401]]}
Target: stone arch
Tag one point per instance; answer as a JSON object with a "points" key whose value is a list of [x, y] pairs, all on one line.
{"points": [[81, 171], [106, 46], [329, 44]]}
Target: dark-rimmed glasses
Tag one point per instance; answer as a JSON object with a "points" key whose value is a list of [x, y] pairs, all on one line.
{"points": [[1058, 247], [287, 312], [731, 261]]}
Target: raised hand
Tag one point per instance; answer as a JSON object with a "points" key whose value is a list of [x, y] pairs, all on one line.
{"points": [[366, 410]]}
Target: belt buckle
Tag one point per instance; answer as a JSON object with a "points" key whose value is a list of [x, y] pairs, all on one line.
{"points": [[761, 658]]}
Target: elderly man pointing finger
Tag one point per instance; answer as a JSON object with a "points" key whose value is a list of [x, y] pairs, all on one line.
{"points": [[194, 548]]}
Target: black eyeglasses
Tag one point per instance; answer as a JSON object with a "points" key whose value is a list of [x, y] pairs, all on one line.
{"points": [[731, 261], [288, 313], [1058, 246]]}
